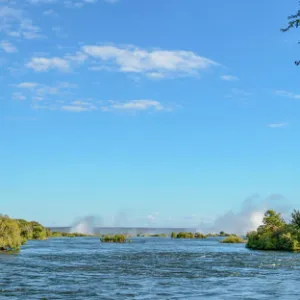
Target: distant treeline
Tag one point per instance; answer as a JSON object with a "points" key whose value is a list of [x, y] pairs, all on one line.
{"points": [[197, 235]]}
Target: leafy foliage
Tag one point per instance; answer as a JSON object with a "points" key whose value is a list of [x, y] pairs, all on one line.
{"points": [[275, 234], [296, 218], [39, 232], [233, 239], [117, 238], [10, 234]]}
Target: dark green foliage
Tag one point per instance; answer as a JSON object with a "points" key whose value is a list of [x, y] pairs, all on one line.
{"points": [[56, 234], [26, 230], [275, 234], [10, 234], [296, 218], [199, 235], [39, 232], [187, 235], [233, 239], [117, 238], [272, 220], [173, 235]]}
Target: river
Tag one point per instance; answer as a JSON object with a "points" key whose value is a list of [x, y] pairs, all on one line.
{"points": [[147, 268]]}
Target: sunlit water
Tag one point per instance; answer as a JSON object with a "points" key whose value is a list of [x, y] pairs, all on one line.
{"points": [[147, 268]]}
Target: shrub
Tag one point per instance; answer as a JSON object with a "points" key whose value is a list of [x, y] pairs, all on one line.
{"points": [[233, 239], [118, 238], [38, 231], [10, 234], [275, 234], [199, 235]]}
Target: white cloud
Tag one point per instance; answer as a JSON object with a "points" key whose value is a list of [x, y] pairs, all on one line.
{"points": [[27, 85], [287, 94], [111, 1], [277, 125], [156, 64], [39, 92], [8, 47], [50, 12], [14, 23], [162, 63], [78, 106], [40, 64], [239, 93], [41, 1], [134, 106], [229, 78], [18, 96]]}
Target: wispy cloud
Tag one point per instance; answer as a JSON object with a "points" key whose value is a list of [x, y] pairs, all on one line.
{"points": [[130, 59], [162, 63], [40, 92], [40, 64], [14, 23], [78, 106], [18, 96], [111, 1], [238, 93], [50, 12], [277, 125], [71, 3], [8, 47], [229, 78], [287, 94], [133, 105]]}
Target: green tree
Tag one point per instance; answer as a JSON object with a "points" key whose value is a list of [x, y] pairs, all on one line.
{"points": [[10, 234], [272, 220], [38, 231], [26, 230], [296, 218]]}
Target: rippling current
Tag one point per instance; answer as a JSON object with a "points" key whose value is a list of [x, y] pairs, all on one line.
{"points": [[147, 268]]}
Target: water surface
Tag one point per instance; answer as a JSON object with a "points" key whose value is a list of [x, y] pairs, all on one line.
{"points": [[147, 268]]}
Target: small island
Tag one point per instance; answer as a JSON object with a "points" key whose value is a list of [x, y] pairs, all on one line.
{"points": [[117, 238], [233, 239], [276, 234]]}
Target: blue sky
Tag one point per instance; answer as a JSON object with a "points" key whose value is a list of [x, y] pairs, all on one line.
{"points": [[160, 113]]}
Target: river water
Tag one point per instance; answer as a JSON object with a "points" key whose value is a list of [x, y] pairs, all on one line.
{"points": [[147, 268]]}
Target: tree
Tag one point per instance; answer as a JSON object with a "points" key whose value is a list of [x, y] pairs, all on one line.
{"points": [[273, 220], [26, 230], [296, 218], [38, 231], [294, 22], [10, 238]]}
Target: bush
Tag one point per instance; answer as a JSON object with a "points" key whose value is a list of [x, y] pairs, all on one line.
{"points": [[275, 234], [182, 235], [10, 234], [199, 235], [39, 232], [56, 234], [233, 239], [26, 230], [118, 238]]}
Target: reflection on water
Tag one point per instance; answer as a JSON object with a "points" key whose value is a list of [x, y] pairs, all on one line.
{"points": [[153, 268]]}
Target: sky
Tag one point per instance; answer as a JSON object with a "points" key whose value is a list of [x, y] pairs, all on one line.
{"points": [[147, 112]]}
